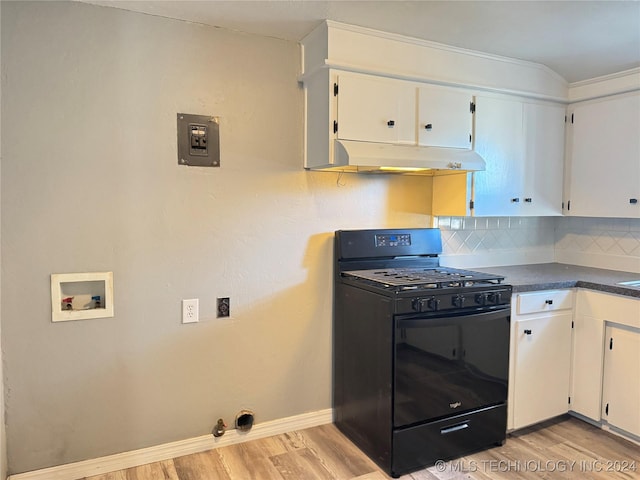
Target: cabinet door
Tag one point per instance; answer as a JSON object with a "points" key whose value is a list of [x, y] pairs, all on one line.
{"points": [[544, 159], [621, 385], [444, 117], [542, 368], [586, 372], [605, 158], [376, 110], [499, 140]]}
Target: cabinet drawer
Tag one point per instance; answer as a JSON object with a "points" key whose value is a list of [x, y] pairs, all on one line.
{"points": [[546, 301]]}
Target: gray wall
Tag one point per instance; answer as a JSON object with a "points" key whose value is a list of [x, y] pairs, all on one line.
{"points": [[3, 436], [90, 182]]}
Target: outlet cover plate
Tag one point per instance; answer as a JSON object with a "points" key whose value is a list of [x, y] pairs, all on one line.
{"points": [[190, 310], [224, 307]]}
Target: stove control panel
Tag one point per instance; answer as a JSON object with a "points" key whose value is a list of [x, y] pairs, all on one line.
{"points": [[393, 240], [457, 301]]}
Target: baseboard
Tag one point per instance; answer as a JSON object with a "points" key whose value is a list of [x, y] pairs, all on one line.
{"points": [[603, 425], [134, 458]]}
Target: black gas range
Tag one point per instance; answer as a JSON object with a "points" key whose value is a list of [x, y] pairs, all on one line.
{"points": [[420, 350]]}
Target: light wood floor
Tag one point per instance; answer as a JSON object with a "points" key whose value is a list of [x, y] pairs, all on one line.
{"points": [[565, 448]]}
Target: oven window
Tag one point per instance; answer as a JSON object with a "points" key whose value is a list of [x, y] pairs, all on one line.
{"points": [[448, 366]]}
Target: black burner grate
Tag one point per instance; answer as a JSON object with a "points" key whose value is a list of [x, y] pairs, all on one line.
{"points": [[413, 278]]}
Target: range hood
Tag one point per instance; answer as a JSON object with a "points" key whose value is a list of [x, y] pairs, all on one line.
{"points": [[370, 157]]}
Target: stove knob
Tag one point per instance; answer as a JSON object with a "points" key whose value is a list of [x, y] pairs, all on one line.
{"points": [[495, 298], [433, 303], [481, 298], [417, 304], [458, 301]]}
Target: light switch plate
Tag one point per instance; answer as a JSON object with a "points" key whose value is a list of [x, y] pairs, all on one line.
{"points": [[198, 140]]}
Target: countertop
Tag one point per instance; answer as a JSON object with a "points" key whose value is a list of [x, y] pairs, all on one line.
{"points": [[547, 276]]}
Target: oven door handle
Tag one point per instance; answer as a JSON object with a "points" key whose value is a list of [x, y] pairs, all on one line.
{"points": [[445, 319], [455, 428]]}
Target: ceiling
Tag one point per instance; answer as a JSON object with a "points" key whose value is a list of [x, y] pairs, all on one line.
{"points": [[578, 39]]}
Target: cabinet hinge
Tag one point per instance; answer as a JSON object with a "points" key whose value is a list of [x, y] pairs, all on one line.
{"points": [[569, 400], [569, 205], [472, 107], [562, 205], [335, 89], [571, 323], [471, 204], [572, 118], [611, 343], [469, 138], [565, 119], [335, 126], [606, 409]]}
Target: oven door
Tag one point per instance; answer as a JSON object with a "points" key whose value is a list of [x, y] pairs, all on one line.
{"points": [[449, 363]]}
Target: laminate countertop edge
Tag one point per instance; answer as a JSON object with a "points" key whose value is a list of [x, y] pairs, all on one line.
{"points": [[552, 276]]}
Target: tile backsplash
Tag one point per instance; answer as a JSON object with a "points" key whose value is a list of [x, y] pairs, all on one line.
{"points": [[596, 242], [599, 242], [480, 242]]}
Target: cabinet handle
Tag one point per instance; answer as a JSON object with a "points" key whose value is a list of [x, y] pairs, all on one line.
{"points": [[633, 201], [428, 126], [391, 123], [515, 200], [528, 200], [549, 302], [527, 332]]}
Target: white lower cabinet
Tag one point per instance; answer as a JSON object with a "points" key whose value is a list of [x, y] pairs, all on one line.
{"points": [[621, 382], [605, 375], [577, 351], [586, 372], [540, 357]]}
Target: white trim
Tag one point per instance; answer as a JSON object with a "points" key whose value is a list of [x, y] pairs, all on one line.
{"points": [[350, 67], [604, 78], [134, 458], [349, 47], [606, 85], [440, 46]]}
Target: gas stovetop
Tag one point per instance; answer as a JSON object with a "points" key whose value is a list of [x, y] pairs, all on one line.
{"points": [[402, 279]]}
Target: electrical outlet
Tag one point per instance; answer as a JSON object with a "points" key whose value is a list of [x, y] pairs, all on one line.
{"points": [[190, 310], [224, 307]]}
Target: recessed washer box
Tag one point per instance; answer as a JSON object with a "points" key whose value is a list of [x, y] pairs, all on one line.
{"points": [[81, 296]]}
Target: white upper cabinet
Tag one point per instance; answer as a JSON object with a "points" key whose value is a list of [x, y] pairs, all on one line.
{"points": [[445, 117], [499, 140], [544, 126], [375, 109], [522, 143], [604, 158]]}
